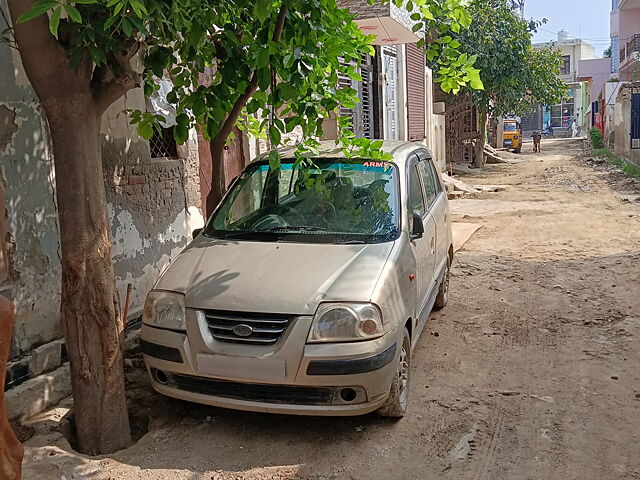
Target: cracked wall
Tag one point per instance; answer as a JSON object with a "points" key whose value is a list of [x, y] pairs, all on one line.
{"points": [[153, 204], [31, 218]]}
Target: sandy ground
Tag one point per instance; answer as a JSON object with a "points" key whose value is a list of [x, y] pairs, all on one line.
{"points": [[534, 372]]}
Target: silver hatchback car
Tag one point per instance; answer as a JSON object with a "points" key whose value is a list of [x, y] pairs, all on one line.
{"points": [[308, 288]]}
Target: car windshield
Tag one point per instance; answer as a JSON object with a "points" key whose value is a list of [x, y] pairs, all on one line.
{"points": [[510, 127], [331, 201]]}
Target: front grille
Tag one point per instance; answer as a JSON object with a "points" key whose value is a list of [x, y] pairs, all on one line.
{"points": [[253, 392], [263, 329]]}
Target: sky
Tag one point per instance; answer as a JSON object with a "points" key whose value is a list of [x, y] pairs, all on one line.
{"points": [[586, 19]]}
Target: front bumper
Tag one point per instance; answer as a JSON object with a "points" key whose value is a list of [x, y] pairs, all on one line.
{"points": [[289, 377]]}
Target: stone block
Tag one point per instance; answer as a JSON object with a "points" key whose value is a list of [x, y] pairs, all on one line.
{"points": [[46, 357], [34, 395], [17, 372], [137, 180]]}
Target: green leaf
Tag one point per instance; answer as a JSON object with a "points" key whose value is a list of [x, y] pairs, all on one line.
{"points": [[261, 10], [127, 27], [180, 134], [475, 81], [97, 55], [262, 57], [274, 135], [145, 130], [426, 13], [110, 21], [73, 13], [54, 21], [288, 91], [274, 160], [182, 119], [465, 18], [38, 9], [138, 8]]}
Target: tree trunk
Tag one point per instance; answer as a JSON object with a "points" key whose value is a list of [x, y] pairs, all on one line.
{"points": [[218, 181], [89, 304], [478, 158]]}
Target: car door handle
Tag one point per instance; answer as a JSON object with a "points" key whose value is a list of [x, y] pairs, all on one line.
{"points": [[433, 244]]}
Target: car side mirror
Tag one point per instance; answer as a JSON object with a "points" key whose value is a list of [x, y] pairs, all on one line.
{"points": [[196, 232], [417, 227]]}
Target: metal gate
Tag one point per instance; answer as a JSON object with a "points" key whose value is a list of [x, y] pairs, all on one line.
{"points": [[390, 93], [635, 119], [361, 116]]}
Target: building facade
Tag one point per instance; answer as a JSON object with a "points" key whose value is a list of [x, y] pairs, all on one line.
{"points": [[572, 108], [397, 93], [625, 39]]}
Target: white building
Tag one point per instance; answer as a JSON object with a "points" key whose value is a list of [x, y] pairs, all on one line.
{"points": [[573, 51]]}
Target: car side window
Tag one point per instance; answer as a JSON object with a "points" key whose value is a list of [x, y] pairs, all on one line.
{"points": [[429, 182], [416, 201], [436, 177]]}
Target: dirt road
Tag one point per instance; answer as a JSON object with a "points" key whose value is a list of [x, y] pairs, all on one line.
{"points": [[532, 372]]}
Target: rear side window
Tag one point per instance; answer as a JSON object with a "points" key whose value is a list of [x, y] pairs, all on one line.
{"points": [[436, 177], [429, 184]]}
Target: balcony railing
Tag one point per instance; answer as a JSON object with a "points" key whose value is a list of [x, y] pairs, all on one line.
{"points": [[632, 46]]}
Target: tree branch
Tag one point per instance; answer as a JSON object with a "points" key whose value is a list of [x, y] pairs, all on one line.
{"points": [[108, 86], [242, 100], [43, 57]]}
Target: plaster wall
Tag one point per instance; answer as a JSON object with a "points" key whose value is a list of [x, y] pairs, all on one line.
{"points": [[153, 203]]}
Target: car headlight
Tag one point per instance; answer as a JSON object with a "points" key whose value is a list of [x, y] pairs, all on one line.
{"points": [[165, 310], [346, 322]]}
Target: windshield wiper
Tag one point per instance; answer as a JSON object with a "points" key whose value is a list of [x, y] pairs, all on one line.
{"points": [[302, 228]]}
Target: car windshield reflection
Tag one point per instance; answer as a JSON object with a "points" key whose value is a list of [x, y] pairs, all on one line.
{"points": [[332, 201]]}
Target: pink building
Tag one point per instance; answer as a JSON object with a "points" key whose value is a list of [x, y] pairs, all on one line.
{"points": [[625, 39], [596, 73]]}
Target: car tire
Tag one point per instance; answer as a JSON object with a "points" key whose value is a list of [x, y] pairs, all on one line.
{"points": [[517, 150], [398, 399], [443, 291]]}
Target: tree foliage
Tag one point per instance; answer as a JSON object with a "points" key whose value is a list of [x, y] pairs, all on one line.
{"points": [[515, 75], [280, 59]]}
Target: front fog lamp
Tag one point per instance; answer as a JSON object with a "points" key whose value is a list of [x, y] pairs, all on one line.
{"points": [[345, 322], [165, 310]]}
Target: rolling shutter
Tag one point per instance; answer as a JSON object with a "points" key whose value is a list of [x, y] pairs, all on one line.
{"points": [[416, 114]]}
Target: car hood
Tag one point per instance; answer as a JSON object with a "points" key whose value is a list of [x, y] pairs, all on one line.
{"points": [[288, 278]]}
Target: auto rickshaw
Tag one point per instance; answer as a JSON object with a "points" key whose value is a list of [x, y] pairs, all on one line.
{"points": [[512, 135]]}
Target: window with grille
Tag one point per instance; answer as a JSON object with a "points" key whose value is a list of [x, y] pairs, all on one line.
{"points": [[162, 144], [615, 54]]}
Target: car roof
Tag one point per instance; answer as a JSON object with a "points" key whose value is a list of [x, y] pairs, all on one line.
{"points": [[329, 149]]}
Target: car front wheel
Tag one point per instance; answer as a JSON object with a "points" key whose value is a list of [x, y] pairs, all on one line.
{"points": [[396, 404], [443, 292]]}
